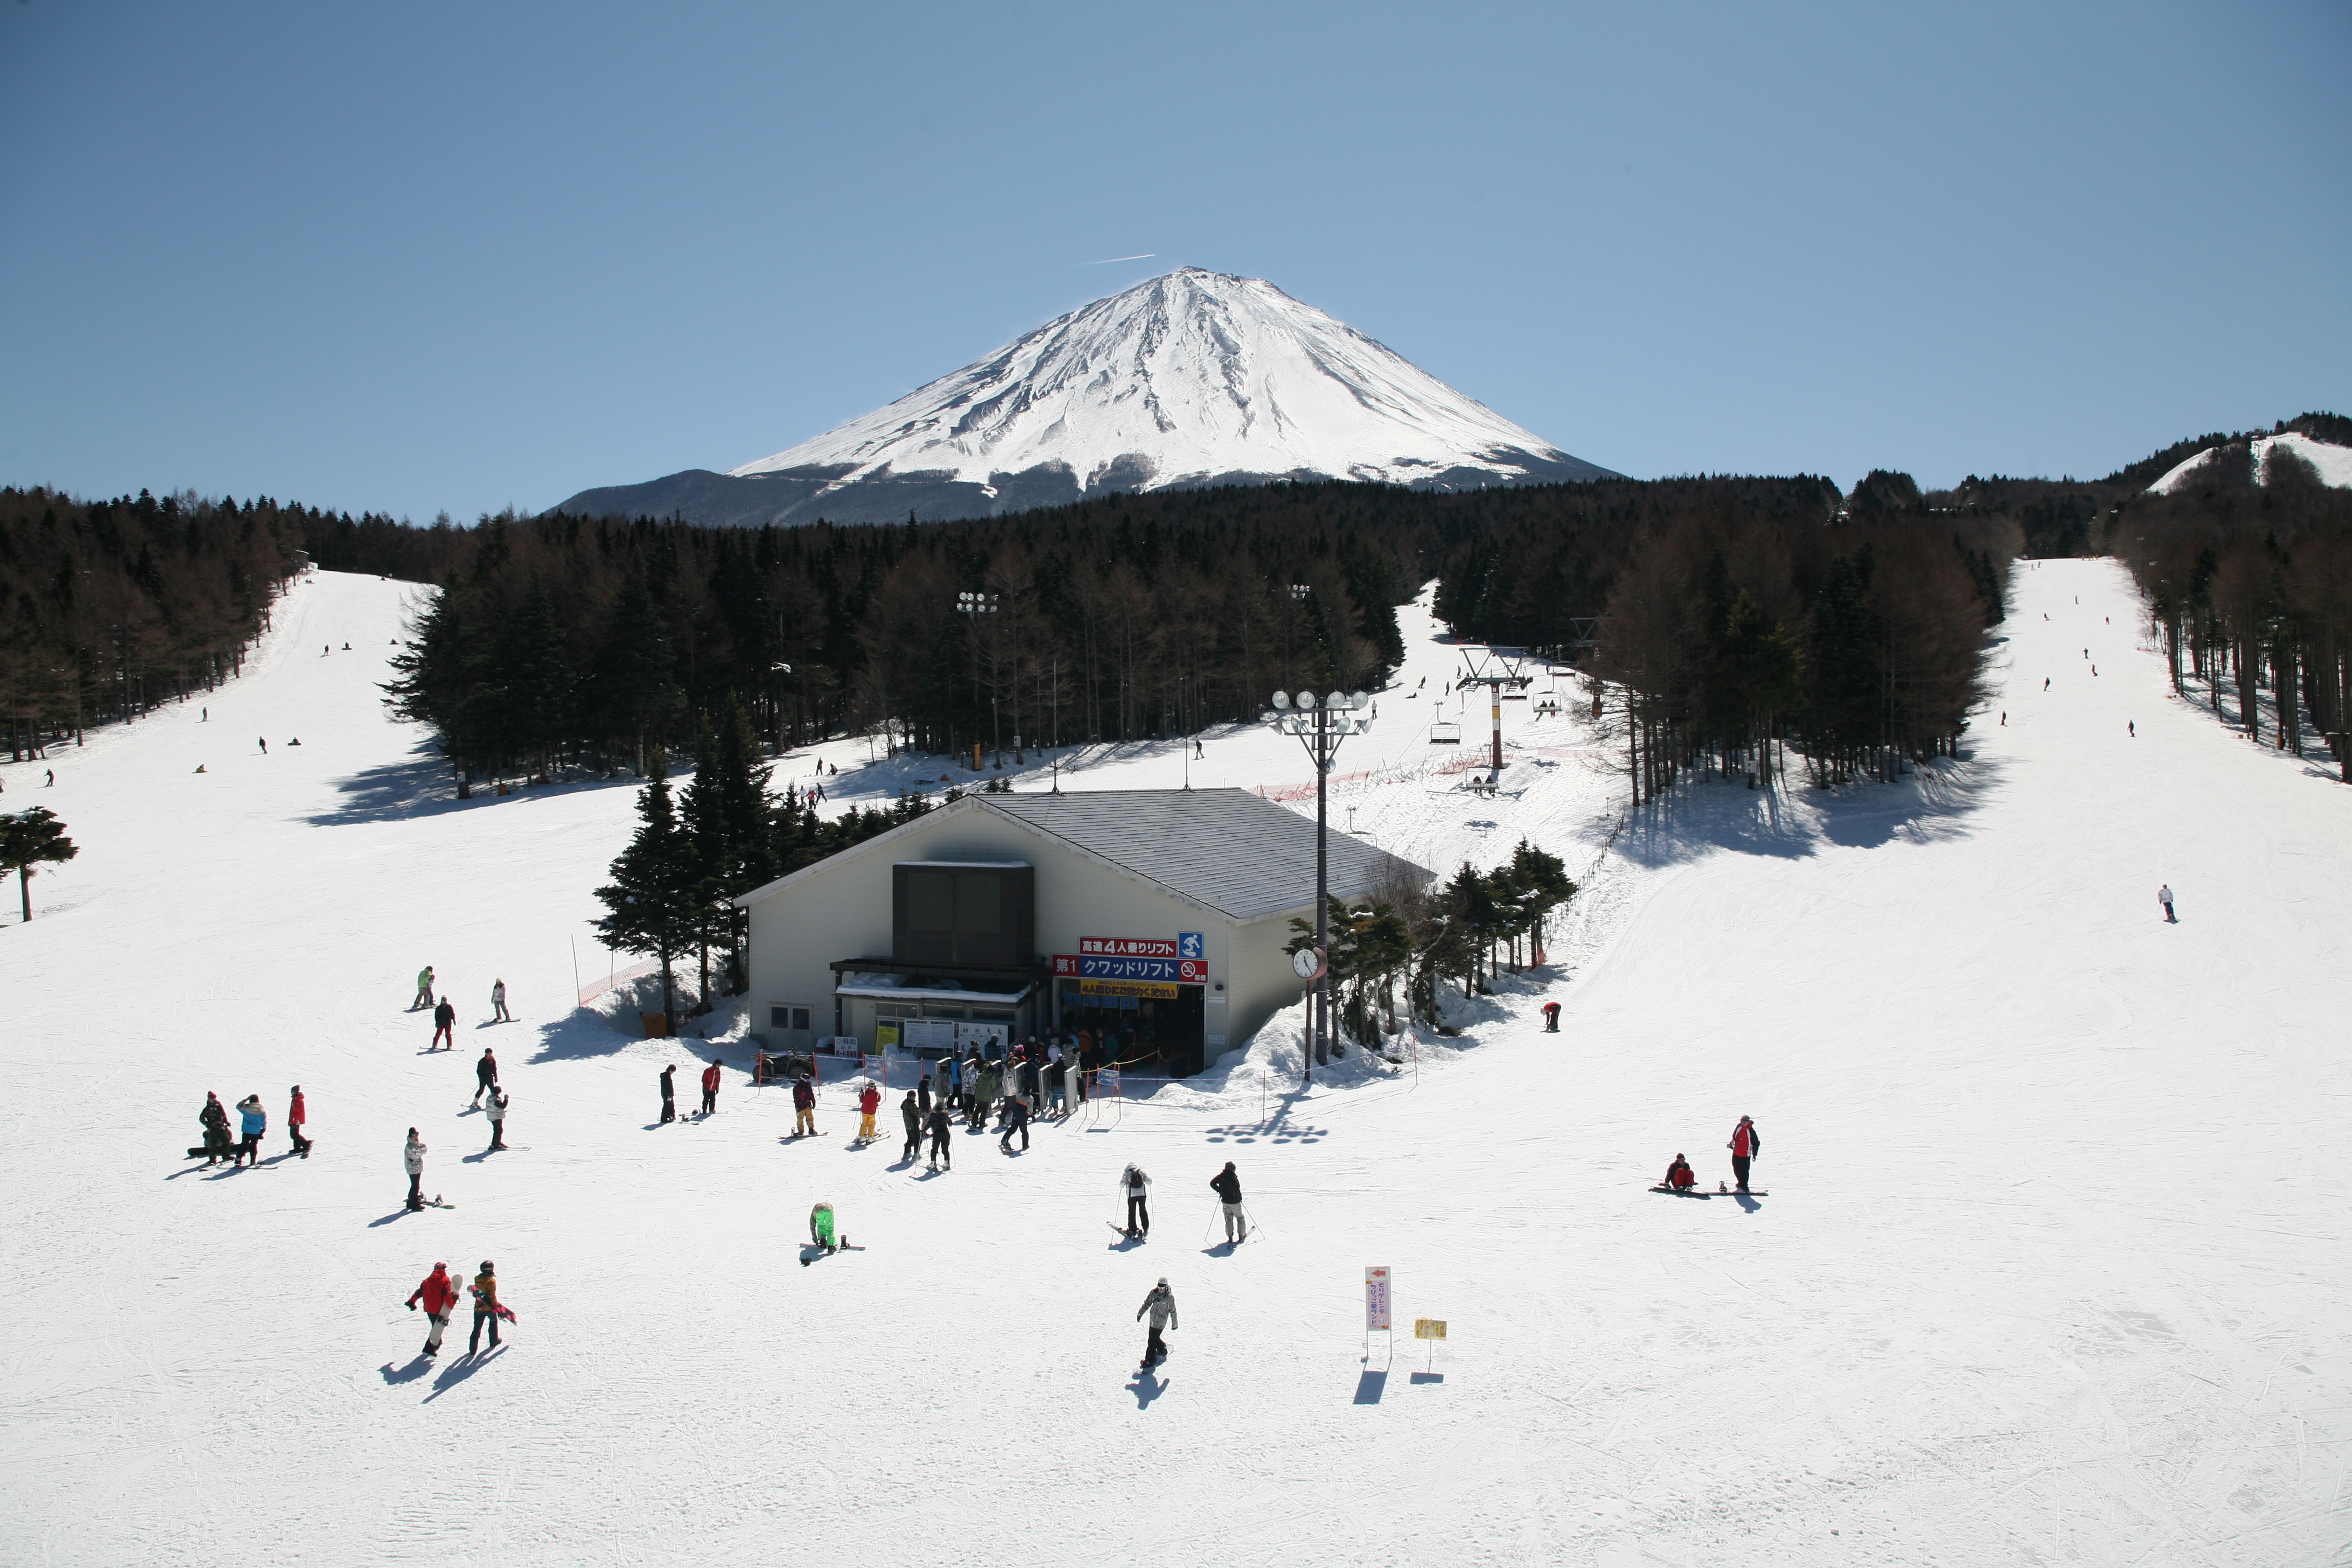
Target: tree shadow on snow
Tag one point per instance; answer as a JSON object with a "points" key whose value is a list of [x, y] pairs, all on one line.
{"points": [[1927, 805], [421, 784]]}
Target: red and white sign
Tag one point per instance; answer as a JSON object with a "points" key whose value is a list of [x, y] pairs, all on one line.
{"points": [[1127, 946], [1376, 1298], [1101, 966]]}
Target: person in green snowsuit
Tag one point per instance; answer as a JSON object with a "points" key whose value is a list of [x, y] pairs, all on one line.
{"points": [[821, 1225], [424, 989]]}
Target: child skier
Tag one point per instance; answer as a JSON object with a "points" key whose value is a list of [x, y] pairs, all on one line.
{"points": [[869, 1100], [1161, 1304]]}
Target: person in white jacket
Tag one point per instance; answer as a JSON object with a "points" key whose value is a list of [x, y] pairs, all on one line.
{"points": [[414, 1157], [498, 1014], [1136, 1186]]}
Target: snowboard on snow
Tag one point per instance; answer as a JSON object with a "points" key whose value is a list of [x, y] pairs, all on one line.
{"points": [[1702, 1192]]}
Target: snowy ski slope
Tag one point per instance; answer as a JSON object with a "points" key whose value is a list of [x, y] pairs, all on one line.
{"points": [[2052, 1268]]}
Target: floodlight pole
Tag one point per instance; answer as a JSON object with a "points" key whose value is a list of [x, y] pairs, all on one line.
{"points": [[1317, 724]]}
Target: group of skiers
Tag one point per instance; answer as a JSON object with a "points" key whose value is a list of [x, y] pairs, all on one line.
{"points": [[1745, 1143], [445, 1012], [252, 1122], [1136, 1188]]}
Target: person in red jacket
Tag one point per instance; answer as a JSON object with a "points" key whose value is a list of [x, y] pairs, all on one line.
{"points": [[710, 1088], [1745, 1145], [869, 1100], [439, 1294], [294, 1116]]}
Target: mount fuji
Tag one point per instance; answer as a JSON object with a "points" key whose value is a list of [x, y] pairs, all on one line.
{"points": [[1191, 379]]}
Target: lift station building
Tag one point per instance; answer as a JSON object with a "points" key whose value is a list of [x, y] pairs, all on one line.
{"points": [[1158, 917]]}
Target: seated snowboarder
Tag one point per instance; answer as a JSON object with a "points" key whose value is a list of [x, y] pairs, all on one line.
{"points": [[1679, 1175]]}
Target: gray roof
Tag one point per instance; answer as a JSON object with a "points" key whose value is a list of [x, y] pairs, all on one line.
{"points": [[1232, 851]]}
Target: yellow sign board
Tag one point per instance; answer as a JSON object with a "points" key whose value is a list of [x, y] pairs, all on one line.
{"points": [[1151, 988], [1429, 1328]]}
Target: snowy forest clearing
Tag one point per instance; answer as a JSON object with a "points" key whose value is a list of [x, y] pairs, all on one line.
{"points": [[2053, 1269]]}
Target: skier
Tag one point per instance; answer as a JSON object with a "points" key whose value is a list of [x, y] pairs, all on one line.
{"points": [[413, 1156], [1136, 1186], [498, 1014], [444, 1021], [265, 745], [1551, 1017], [439, 1294], [669, 1092], [821, 1227], [942, 1144], [2131, 728], [1745, 1145], [424, 989], [297, 1114], [804, 1108], [486, 1074], [922, 1093], [1162, 1305], [1227, 1184], [213, 1119], [497, 1115], [486, 1308], [912, 1115], [1680, 1176], [1016, 1119], [710, 1089], [2164, 897], [984, 1094], [255, 1122], [869, 1100]]}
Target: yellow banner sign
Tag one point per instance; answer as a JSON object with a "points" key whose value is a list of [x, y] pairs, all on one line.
{"points": [[1152, 988], [1429, 1328]]}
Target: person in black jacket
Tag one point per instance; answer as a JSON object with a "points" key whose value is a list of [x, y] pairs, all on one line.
{"points": [[1016, 1119], [213, 1118], [486, 1074], [942, 1149], [669, 1092], [1228, 1188]]}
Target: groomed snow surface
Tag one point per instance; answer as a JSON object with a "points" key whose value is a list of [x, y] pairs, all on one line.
{"points": [[2334, 462], [2053, 1267]]}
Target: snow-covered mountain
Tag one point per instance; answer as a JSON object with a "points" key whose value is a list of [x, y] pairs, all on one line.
{"points": [[2333, 463], [1194, 378]]}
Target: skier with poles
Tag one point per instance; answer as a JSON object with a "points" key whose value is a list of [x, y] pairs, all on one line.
{"points": [[669, 1092], [444, 1021], [869, 1100], [497, 1115], [710, 1089], [1136, 1186], [1745, 1145], [486, 1074], [413, 1156], [297, 1113], [424, 989], [912, 1115], [439, 1294], [1227, 1184], [1161, 1304]]}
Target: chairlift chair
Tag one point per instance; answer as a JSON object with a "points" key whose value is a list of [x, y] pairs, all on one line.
{"points": [[1445, 733]]}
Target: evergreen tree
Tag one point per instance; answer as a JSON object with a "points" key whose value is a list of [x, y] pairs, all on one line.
{"points": [[655, 901], [30, 838]]}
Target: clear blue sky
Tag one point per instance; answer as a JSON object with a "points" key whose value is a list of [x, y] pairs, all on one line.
{"points": [[416, 256]]}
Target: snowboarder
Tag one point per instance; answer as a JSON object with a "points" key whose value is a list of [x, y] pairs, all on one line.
{"points": [[486, 1308], [424, 989], [710, 1089], [804, 1108], [1680, 1176], [1745, 1145], [498, 1014], [669, 1092], [912, 1115], [1136, 1186], [1016, 1119], [821, 1227], [1551, 1017], [486, 1074], [255, 1122], [265, 745], [413, 1156], [445, 1023], [213, 1119], [1162, 1305], [943, 1143], [297, 1114], [2164, 897], [869, 1100], [1227, 1184], [2131, 728], [497, 1115], [439, 1294]]}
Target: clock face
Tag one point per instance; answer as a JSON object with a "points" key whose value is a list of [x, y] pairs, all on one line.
{"points": [[1305, 961]]}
